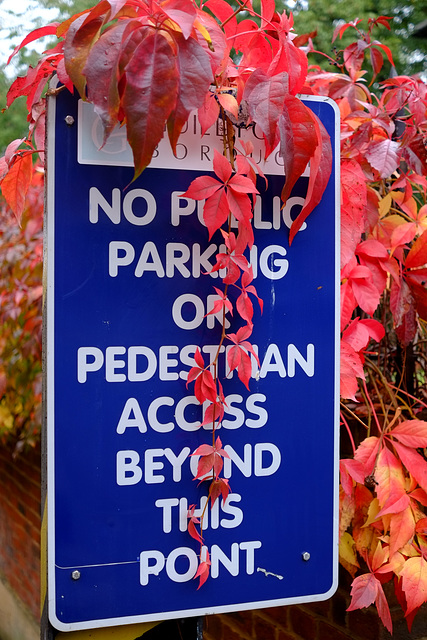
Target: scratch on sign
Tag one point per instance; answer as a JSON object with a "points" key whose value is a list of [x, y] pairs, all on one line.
{"points": [[269, 573]]}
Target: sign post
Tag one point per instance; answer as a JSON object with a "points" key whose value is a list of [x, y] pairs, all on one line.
{"points": [[128, 296]]}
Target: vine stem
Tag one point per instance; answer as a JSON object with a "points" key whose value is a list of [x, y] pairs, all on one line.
{"points": [[371, 404], [399, 390], [350, 435], [214, 363]]}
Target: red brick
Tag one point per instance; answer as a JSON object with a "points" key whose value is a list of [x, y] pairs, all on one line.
{"points": [[287, 635], [280, 615], [214, 626], [329, 632], [263, 629], [365, 623], [303, 623], [321, 608], [230, 634], [34, 518], [241, 621], [20, 524], [339, 604]]}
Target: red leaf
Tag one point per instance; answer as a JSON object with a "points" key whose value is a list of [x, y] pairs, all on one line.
{"points": [[210, 458], [359, 332], [364, 591], [199, 358], [384, 156], [220, 304], [15, 184], [351, 469], [353, 57], [245, 307], [78, 42], [149, 96], [47, 30], [100, 71], [208, 113], [402, 308], [11, 149], [298, 140], [265, 98], [203, 570], [320, 171], [195, 76], [384, 47], [207, 386], [403, 234], [353, 207], [376, 61], [420, 495], [366, 453], [417, 256], [238, 359], [383, 609], [240, 206], [351, 368], [202, 187], [389, 477], [222, 166], [348, 303], [191, 527], [412, 433], [415, 464], [242, 184], [402, 529], [372, 249], [414, 582], [214, 413], [364, 290], [219, 487], [224, 12], [293, 61], [268, 8], [251, 289], [215, 211], [183, 12], [340, 29]]}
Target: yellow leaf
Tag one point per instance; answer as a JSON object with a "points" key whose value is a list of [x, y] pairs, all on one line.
{"points": [[229, 102], [373, 510], [6, 418], [384, 205], [204, 32], [347, 508], [414, 582], [348, 555], [379, 557]]}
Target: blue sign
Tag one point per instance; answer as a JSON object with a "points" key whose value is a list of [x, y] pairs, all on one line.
{"points": [[128, 296]]}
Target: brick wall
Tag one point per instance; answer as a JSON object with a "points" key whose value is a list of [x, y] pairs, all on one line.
{"points": [[326, 620], [329, 620], [20, 525]]}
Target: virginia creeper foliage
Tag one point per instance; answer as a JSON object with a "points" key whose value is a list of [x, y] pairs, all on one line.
{"points": [[148, 65]]}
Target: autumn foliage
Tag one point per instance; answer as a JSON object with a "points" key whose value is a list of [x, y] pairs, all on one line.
{"points": [[148, 65]]}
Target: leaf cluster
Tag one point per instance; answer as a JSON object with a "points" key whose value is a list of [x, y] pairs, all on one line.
{"points": [[21, 251]]}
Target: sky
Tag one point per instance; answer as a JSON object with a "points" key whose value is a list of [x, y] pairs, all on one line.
{"points": [[19, 17]]}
